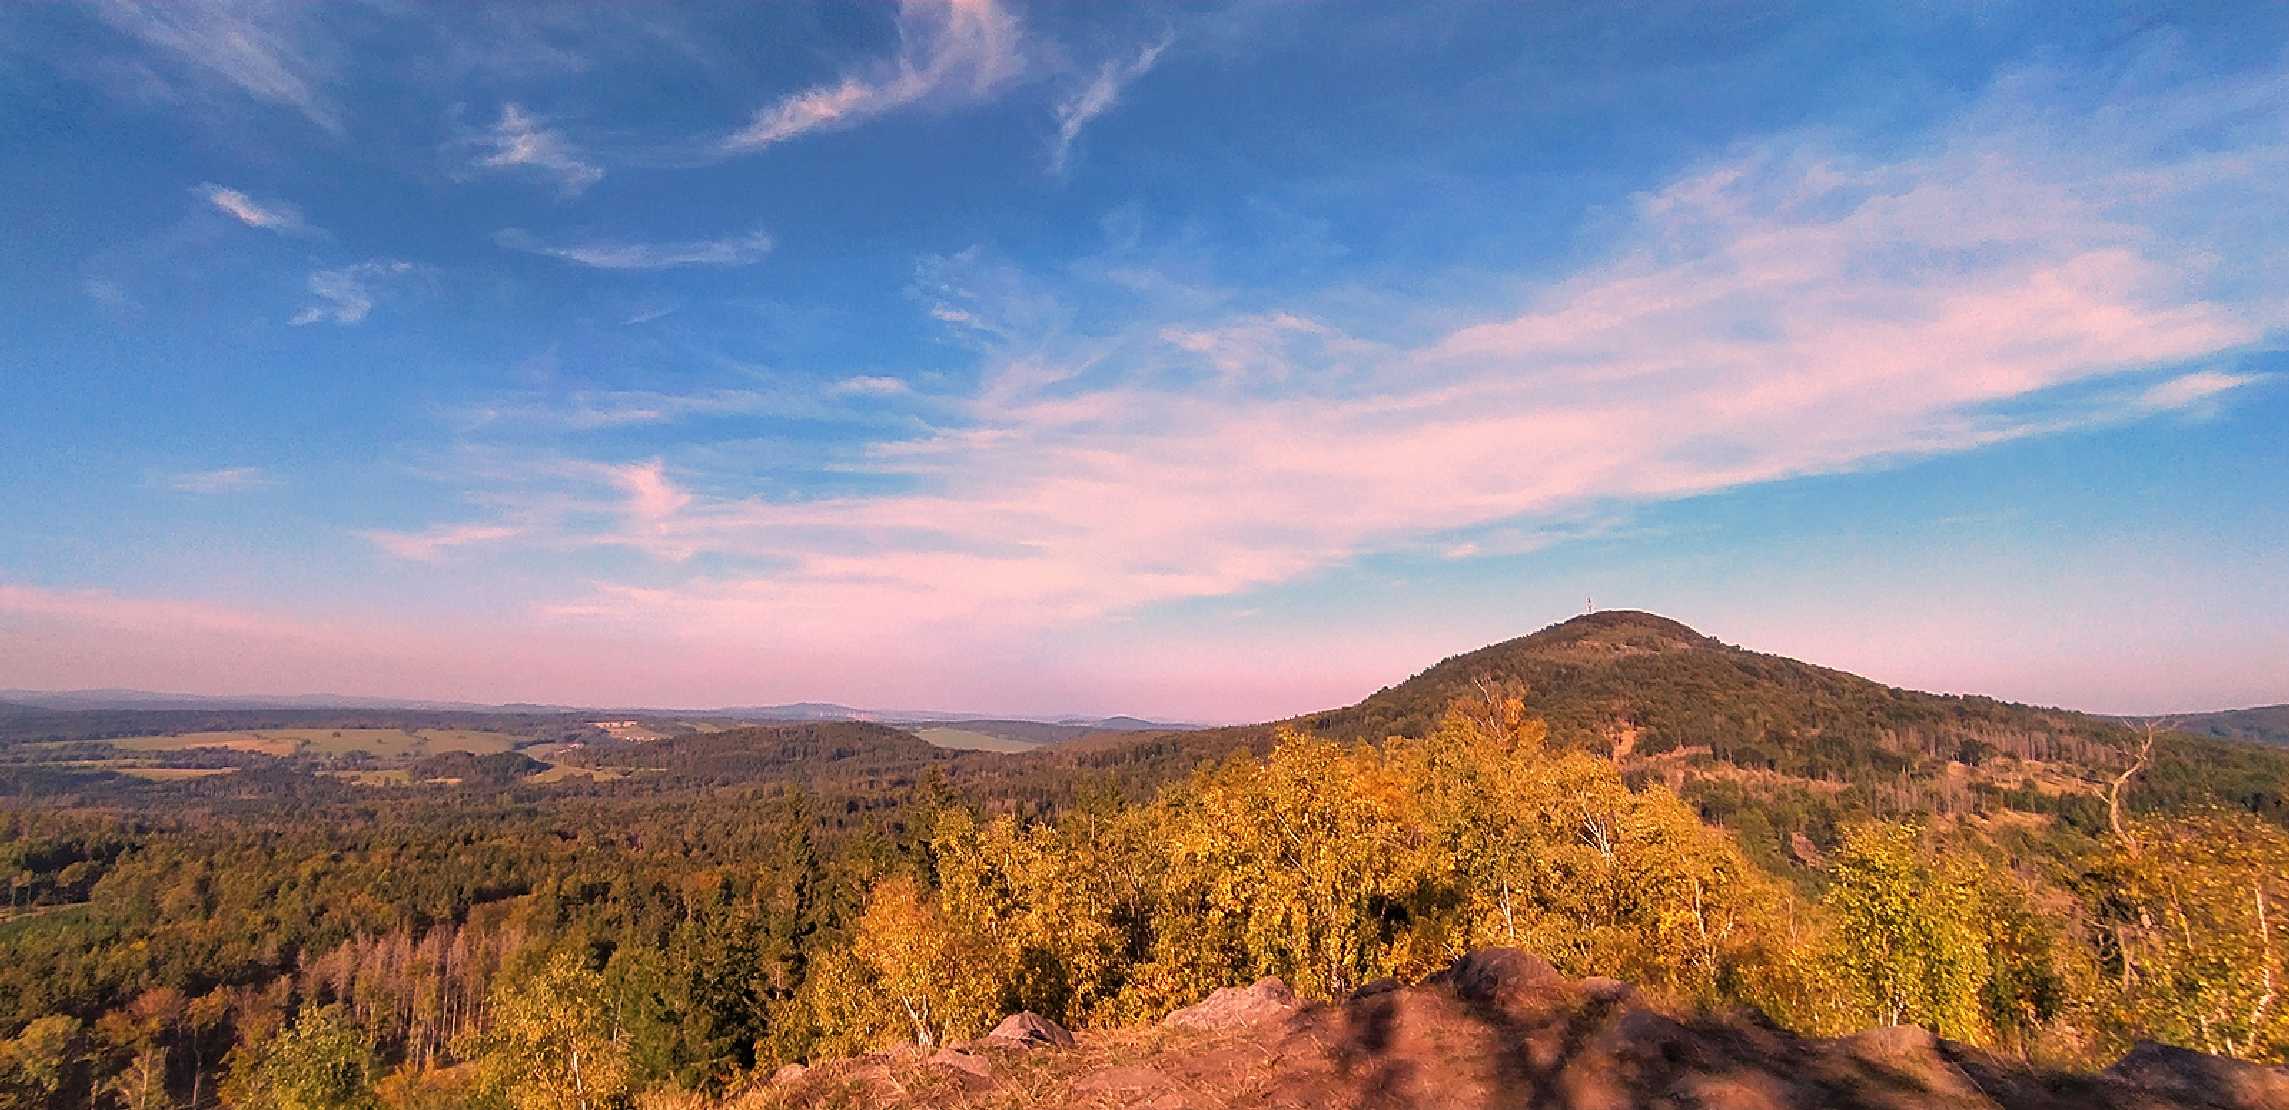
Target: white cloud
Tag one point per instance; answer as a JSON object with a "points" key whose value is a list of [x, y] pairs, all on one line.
{"points": [[1095, 99], [277, 216], [870, 386], [521, 142], [590, 410], [2188, 390], [1267, 347], [949, 50], [346, 295], [229, 479], [255, 46], [108, 293], [738, 250], [432, 544]]}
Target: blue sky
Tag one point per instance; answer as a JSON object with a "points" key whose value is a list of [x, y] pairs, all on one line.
{"points": [[1193, 360]]}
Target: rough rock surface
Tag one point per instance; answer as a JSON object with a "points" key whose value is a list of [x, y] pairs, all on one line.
{"points": [[1267, 999], [1503, 978], [971, 1074], [1029, 1028], [1500, 1029], [2197, 1079]]}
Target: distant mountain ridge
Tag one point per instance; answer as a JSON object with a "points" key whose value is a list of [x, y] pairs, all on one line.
{"points": [[147, 699], [2263, 724], [20, 701]]}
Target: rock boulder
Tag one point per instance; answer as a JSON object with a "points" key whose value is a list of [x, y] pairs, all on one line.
{"points": [[1028, 1029], [1267, 999]]}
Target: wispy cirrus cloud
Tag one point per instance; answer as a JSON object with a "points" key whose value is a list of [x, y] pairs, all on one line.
{"points": [[228, 479], [266, 215], [597, 409], [431, 544], [949, 50], [1078, 111], [870, 385], [522, 142], [108, 293], [2187, 391], [1267, 347], [259, 47], [1793, 309], [346, 295], [736, 250]]}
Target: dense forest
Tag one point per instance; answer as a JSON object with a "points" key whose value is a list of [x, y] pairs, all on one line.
{"points": [[1726, 830]]}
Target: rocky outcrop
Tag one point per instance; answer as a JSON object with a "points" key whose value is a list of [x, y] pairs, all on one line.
{"points": [[1029, 1028], [1268, 999], [1501, 1028], [2197, 1079], [1503, 978]]}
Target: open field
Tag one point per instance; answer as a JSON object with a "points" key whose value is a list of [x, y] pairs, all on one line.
{"points": [[265, 743], [14, 921], [962, 739], [383, 743], [633, 731]]}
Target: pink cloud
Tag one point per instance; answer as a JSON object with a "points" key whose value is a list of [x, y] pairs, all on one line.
{"points": [[1788, 312], [1791, 311], [650, 495]]}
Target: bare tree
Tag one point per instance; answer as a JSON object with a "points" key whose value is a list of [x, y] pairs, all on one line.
{"points": [[2145, 756]]}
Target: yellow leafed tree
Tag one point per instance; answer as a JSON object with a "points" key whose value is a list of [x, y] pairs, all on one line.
{"points": [[909, 974], [1299, 866], [551, 1043], [2193, 910]]}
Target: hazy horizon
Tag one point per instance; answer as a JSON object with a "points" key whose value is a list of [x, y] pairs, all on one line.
{"points": [[1209, 364], [317, 700]]}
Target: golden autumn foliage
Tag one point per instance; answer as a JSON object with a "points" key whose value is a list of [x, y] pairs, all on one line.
{"points": [[1050, 909], [551, 1044], [1326, 864], [2191, 911], [1552, 852], [1913, 951], [1332, 864], [908, 974]]}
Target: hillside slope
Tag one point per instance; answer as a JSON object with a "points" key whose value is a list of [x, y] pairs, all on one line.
{"points": [[2264, 724], [1734, 729], [1626, 677], [785, 752]]}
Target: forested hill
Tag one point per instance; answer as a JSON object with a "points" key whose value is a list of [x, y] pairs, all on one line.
{"points": [[2264, 724], [807, 751], [1727, 726], [1654, 685]]}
